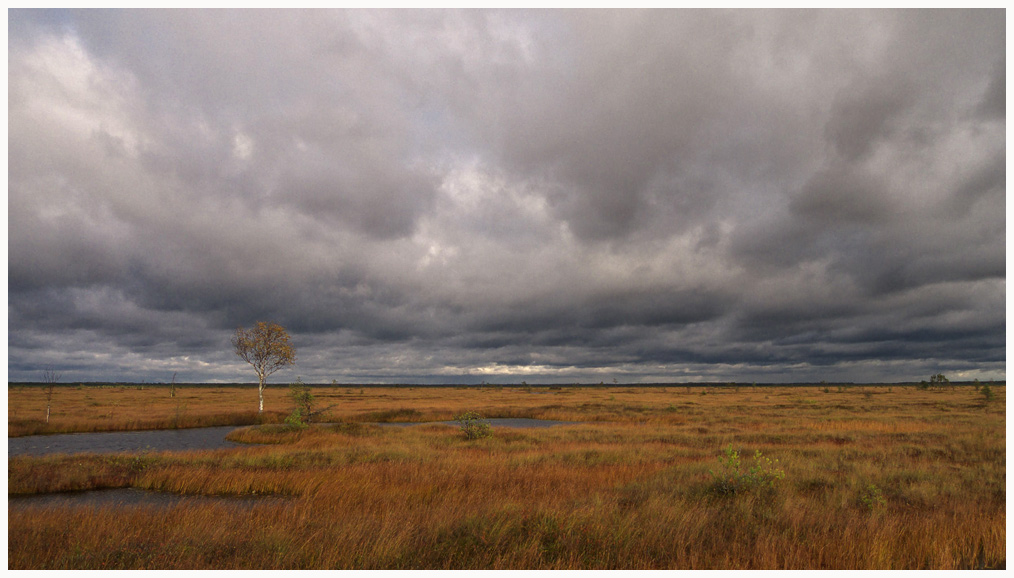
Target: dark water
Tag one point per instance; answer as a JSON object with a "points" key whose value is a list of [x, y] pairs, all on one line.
{"points": [[122, 497], [164, 440], [202, 438]]}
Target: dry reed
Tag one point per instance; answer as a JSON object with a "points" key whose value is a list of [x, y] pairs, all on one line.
{"points": [[632, 491]]}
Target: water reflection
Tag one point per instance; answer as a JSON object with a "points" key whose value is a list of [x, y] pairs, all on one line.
{"points": [[121, 497], [203, 438]]}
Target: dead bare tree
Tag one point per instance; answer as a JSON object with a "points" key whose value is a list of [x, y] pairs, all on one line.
{"points": [[49, 378], [172, 386]]}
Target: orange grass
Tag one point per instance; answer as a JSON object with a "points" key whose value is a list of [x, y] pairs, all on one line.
{"points": [[121, 407], [631, 491]]}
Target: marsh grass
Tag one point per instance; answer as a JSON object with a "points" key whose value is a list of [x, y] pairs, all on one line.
{"points": [[889, 483]]}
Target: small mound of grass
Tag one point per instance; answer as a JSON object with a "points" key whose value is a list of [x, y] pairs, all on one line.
{"points": [[400, 414], [269, 433], [348, 428]]}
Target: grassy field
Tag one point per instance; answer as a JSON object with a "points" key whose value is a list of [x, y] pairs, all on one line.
{"points": [[885, 477]]}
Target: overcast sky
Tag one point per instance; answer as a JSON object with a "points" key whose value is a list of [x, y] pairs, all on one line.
{"points": [[552, 196]]}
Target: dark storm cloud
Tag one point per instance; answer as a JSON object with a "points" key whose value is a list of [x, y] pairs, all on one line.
{"points": [[865, 115], [447, 196], [617, 119]]}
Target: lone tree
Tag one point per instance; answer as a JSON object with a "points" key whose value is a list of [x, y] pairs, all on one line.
{"points": [[266, 347], [49, 378]]}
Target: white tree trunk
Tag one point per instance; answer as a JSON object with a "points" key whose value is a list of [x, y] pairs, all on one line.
{"points": [[260, 394]]}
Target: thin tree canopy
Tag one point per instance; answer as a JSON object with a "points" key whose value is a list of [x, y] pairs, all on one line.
{"points": [[266, 347]]}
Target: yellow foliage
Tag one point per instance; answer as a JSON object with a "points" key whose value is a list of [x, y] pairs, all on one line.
{"points": [[266, 347]]}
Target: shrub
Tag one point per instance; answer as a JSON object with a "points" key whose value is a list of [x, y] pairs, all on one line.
{"points": [[474, 426], [987, 393], [871, 497], [295, 419], [734, 479], [303, 400]]}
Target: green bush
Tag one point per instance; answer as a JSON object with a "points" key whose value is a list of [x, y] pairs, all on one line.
{"points": [[734, 478], [987, 393], [474, 426], [295, 419], [303, 400], [871, 497]]}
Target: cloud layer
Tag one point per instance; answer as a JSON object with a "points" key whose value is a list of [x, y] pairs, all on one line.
{"points": [[442, 196]]}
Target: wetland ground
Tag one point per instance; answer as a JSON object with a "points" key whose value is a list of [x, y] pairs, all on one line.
{"points": [[861, 477]]}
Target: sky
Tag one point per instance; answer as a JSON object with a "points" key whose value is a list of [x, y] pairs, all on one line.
{"points": [[504, 196]]}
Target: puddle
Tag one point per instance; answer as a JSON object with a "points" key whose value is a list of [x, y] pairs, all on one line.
{"points": [[202, 438], [122, 497]]}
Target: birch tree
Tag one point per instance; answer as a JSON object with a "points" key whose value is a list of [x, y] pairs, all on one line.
{"points": [[266, 347], [49, 378]]}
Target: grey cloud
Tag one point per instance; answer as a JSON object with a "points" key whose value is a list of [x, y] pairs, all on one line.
{"points": [[464, 195], [842, 194], [379, 203], [600, 124], [984, 185], [994, 101], [861, 117]]}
